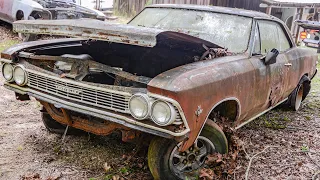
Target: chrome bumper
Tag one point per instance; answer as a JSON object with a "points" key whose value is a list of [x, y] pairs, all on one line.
{"points": [[118, 118]]}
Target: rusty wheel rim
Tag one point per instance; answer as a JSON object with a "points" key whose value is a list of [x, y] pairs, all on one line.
{"points": [[181, 163], [299, 98]]}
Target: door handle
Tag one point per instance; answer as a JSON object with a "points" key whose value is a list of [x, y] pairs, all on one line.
{"points": [[288, 64]]}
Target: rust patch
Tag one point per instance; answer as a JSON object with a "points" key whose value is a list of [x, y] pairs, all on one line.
{"points": [[88, 32], [125, 41], [43, 29], [108, 34], [95, 127]]}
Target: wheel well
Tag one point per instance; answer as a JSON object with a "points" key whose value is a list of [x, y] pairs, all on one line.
{"points": [[228, 109], [306, 83], [19, 15]]}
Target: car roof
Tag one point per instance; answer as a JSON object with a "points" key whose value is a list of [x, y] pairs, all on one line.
{"points": [[226, 10]]}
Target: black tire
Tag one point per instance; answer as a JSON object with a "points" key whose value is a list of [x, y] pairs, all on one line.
{"points": [[57, 128], [160, 150], [300, 93], [28, 37]]}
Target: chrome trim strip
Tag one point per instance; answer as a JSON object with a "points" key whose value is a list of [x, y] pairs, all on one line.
{"points": [[5, 60], [260, 114]]}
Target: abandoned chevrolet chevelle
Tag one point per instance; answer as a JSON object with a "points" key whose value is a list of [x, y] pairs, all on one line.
{"points": [[171, 72]]}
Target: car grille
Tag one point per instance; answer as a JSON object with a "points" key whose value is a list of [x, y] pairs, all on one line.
{"points": [[76, 92]]}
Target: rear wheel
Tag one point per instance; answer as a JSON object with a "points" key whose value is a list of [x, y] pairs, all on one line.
{"points": [[300, 93], [298, 98], [166, 162]]}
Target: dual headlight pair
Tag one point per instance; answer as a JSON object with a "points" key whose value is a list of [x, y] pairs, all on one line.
{"points": [[161, 112], [16, 74]]}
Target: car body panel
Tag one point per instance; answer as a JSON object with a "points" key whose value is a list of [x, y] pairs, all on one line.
{"points": [[6, 10], [104, 31], [10, 8]]}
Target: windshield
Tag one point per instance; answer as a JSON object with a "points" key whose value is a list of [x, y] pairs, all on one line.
{"points": [[228, 31]]}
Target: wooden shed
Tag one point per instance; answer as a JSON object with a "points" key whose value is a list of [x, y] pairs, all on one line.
{"points": [[132, 7]]}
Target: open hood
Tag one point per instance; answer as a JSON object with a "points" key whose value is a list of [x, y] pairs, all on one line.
{"points": [[309, 24], [104, 31]]}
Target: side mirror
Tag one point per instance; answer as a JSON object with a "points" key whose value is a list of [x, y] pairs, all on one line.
{"points": [[271, 57]]}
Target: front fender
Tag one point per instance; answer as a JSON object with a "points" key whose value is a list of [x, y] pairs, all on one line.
{"points": [[200, 86], [26, 6]]}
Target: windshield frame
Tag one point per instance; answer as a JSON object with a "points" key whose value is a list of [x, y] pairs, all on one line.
{"points": [[248, 48]]}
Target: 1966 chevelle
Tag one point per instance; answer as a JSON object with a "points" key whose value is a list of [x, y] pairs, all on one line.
{"points": [[168, 73]]}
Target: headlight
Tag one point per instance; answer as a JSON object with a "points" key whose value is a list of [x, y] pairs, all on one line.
{"points": [[20, 75], [139, 106], [7, 72], [162, 113]]}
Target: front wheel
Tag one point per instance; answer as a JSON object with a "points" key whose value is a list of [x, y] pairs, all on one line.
{"points": [[28, 37], [166, 162]]}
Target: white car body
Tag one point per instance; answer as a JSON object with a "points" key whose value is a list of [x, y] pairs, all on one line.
{"points": [[11, 9]]}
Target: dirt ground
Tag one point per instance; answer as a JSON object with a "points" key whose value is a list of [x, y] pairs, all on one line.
{"points": [[280, 145]]}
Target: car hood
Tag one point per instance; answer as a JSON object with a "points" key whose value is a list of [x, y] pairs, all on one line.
{"points": [[32, 4], [106, 31], [309, 24]]}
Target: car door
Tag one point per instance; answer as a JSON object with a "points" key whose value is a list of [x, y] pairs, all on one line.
{"points": [[270, 80], [272, 36], [295, 62], [6, 10]]}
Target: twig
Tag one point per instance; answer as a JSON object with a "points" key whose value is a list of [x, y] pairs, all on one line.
{"points": [[247, 155], [308, 153], [64, 134], [251, 159], [315, 175]]}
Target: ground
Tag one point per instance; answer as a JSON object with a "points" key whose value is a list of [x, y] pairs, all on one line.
{"points": [[280, 145]]}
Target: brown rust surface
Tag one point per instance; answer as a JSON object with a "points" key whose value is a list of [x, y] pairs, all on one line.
{"points": [[248, 81], [93, 29], [64, 117]]}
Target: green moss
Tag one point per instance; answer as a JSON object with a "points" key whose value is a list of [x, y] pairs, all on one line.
{"points": [[7, 43], [308, 118]]}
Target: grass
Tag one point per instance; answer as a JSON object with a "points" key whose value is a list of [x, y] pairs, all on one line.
{"points": [[7, 43]]}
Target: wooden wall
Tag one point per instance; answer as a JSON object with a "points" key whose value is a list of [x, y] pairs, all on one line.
{"points": [[132, 7]]}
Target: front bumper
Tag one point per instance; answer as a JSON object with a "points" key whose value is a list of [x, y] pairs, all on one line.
{"points": [[118, 118]]}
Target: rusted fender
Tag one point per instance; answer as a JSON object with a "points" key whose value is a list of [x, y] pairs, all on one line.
{"points": [[198, 87]]}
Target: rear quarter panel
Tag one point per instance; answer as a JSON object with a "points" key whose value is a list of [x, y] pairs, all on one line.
{"points": [[303, 62]]}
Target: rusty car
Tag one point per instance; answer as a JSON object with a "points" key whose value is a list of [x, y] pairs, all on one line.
{"points": [[14, 10], [177, 77]]}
